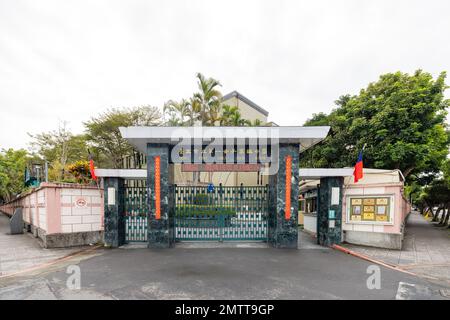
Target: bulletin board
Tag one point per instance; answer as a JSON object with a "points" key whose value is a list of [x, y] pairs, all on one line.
{"points": [[370, 209]]}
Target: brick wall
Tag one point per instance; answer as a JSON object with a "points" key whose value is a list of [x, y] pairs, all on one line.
{"points": [[81, 210], [61, 208]]}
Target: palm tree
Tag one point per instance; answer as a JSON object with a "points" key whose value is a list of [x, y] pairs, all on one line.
{"points": [[231, 116], [238, 121], [213, 115], [194, 111], [177, 111], [227, 114], [256, 123], [208, 100]]}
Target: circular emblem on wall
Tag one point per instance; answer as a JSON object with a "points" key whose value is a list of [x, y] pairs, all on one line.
{"points": [[81, 202]]}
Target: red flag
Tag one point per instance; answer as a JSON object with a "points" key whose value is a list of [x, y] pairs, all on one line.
{"points": [[358, 171], [92, 168]]}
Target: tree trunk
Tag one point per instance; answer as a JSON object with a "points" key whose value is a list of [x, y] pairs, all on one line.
{"points": [[436, 216], [422, 210], [447, 215], [441, 221], [407, 171], [429, 208]]}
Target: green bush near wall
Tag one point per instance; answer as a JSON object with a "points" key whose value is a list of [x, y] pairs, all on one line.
{"points": [[201, 210], [201, 199]]}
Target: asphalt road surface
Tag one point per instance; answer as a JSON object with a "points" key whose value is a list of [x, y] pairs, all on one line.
{"points": [[218, 273]]}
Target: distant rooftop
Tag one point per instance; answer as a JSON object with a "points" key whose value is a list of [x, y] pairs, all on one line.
{"points": [[235, 94]]}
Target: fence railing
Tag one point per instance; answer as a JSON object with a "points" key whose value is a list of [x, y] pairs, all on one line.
{"points": [[201, 212]]}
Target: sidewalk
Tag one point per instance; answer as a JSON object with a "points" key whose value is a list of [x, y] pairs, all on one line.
{"points": [[426, 249], [22, 251]]}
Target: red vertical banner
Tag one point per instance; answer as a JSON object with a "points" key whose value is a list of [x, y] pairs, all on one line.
{"points": [[287, 209], [157, 187]]}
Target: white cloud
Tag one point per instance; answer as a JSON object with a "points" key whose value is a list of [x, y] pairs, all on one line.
{"points": [[69, 60]]}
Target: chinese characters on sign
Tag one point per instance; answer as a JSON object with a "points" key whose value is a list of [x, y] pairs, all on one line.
{"points": [[221, 154]]}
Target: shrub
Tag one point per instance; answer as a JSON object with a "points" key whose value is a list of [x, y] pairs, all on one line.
{"points": [[201, 210], [80, 171], [201, 199]]}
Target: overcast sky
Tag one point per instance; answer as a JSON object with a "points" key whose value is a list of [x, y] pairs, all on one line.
{"points": [[70, 60]]}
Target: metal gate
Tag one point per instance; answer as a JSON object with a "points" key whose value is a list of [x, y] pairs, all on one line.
{"points": [[136, 211], [202, 213], [221, 213]]}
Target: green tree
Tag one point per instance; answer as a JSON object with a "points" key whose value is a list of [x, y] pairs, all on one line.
{"points": [[446, 196], [256, 123], [208, 100], [437, 195], [232, 117], [59, 147], [102, 132], [12, 170], [179, 113], [446, 171], [205, 107], [400, 118]]}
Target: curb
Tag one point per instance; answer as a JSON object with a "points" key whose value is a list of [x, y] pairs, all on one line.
{"points": [[384, 264], [52, 262]]}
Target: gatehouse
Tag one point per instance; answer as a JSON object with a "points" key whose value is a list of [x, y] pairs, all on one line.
{"points": [[146, 205]]}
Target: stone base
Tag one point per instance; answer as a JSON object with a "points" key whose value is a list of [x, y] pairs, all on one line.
{"points": [[66, 240], [285, 240], [34, 230], [374, 239]]}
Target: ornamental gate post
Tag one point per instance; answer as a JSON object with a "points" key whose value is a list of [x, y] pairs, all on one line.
{"points": [[160, 200], [283, 199], [114, 234], [329, 213]]}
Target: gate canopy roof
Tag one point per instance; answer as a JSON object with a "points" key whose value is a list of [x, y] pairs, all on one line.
{"points": [[317, 173], [305, 136]]}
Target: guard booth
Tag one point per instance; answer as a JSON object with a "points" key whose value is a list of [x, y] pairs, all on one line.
{"points": [[147, 206]]}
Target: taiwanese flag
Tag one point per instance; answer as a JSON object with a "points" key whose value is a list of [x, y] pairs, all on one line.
{"points": [[358, 171], [92, 168]]}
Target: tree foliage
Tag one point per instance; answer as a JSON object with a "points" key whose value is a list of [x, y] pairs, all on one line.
{"points": [[80, 171], [103, 134], [59, 148], [205, 108], [12, 170], [435, 198], [232, 117], [400, 118]]}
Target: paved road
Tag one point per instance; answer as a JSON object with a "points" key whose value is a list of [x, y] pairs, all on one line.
{"points": [[22, 251], [426, 249], [217, 273]]}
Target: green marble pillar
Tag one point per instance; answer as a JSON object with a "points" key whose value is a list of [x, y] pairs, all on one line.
{"points": [[160, 231], [329, 215], [282, 232], [114, 220]]}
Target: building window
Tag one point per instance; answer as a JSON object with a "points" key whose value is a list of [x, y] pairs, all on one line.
{"points": [[302, 205], [308, 205], [370, 209], [311, 205], [308, 201]]}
